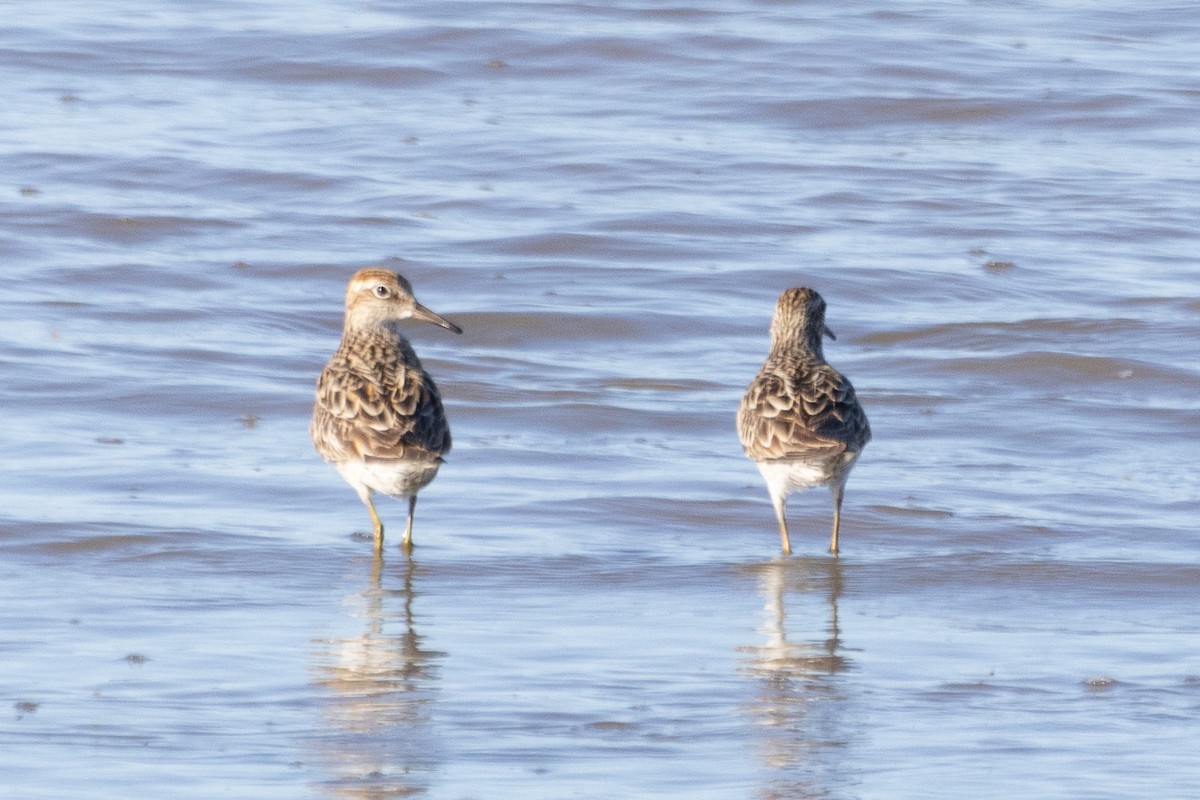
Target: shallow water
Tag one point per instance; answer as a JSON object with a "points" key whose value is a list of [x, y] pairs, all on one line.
{"points": [[998, 204]]}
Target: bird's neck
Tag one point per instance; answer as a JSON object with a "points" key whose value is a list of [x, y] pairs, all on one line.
{"points": [[369, 329], [804, 346]]}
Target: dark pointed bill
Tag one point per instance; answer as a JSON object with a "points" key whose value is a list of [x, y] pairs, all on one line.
{"points": [[422, 313], [829, 333]]}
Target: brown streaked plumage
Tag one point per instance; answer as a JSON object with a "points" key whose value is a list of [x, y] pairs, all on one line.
{"points": [[378, 416], [800, 421]]}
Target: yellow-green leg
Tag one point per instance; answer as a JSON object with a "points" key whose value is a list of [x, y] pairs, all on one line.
{"points": [[406, 542], [376, 523], [837, 518], [781, 512]]}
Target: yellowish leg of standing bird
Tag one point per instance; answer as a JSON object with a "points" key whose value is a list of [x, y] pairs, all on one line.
{"points": [[781, 513], [377, 525], [406, 542], [837, 518]]}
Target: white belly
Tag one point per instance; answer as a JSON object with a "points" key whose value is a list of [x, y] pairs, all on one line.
{"points": [[394, 478], [785, 477]]}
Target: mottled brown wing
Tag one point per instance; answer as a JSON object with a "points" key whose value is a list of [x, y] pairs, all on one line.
{"points": [[794, 412], [397, 415]]}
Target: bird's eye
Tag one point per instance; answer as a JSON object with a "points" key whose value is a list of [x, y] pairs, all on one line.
{"points": [[382, 291]]}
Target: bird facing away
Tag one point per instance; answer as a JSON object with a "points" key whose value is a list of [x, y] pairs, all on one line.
{"points": [[378, 415], [800, 421]]}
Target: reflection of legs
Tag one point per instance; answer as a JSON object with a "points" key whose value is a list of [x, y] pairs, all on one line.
{"points": [[406, 542], [780, 503], [837, 489]]}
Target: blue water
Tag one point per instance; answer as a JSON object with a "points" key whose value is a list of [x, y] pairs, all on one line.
{"points": [[998, 204]]}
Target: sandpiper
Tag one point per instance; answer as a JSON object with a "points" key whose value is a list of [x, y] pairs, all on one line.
{"points": [[800, 421], [378, 415]]}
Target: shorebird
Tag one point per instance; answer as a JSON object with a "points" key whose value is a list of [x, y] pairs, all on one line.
{"points": [[378, 416], [800, 421]]}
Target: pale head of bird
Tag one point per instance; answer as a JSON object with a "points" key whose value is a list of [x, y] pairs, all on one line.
{"points": [[800, 320], [376, 297]]}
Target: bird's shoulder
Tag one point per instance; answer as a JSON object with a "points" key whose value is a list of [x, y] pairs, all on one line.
{"points": [[375, 400], [800, 407]]}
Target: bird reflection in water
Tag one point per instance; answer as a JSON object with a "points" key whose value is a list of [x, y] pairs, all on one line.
{"points": [[380, 687], [800, 703]]}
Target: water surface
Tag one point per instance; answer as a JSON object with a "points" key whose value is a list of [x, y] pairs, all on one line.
{"points": [[998, 204]]}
